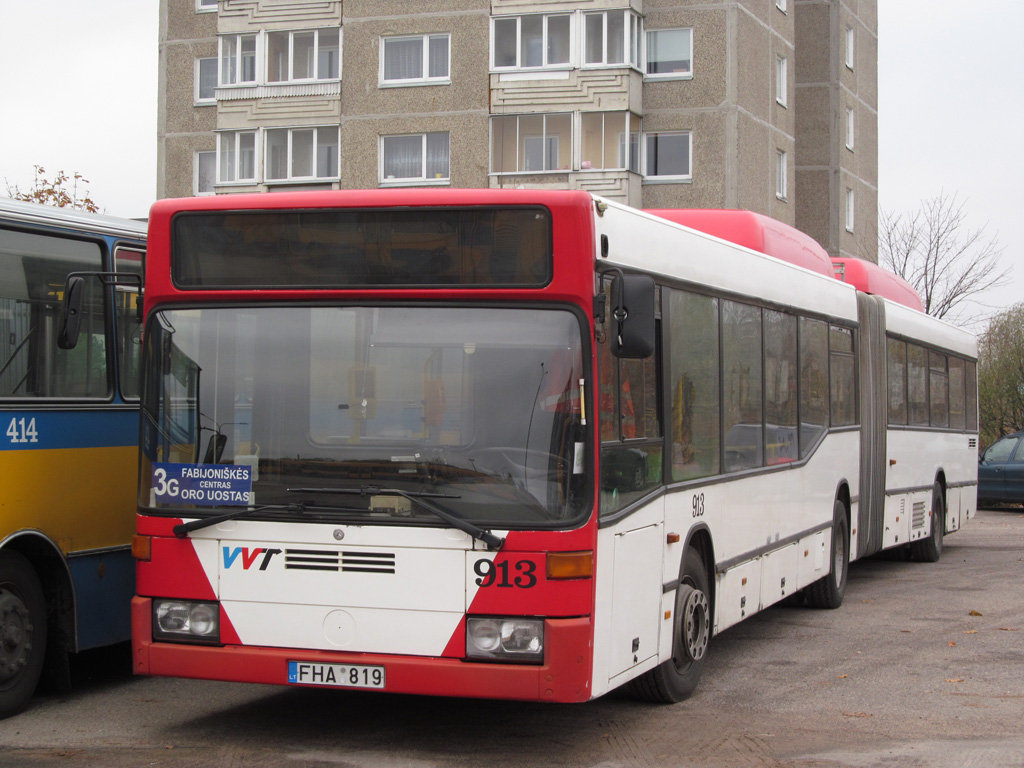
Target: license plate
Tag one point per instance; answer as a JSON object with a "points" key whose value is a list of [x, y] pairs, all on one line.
{"points": [[341, 675]]}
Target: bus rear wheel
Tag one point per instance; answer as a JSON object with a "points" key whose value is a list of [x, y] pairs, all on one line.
{"points": [[828, 591], [930, 550], [676, 679], [22, 632]]}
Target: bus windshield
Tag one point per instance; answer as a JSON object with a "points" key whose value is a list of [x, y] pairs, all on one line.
{"points": [[352, 413]]}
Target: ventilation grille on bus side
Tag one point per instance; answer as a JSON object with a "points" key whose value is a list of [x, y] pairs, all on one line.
{"points": [[919, 515], [345, 561]]}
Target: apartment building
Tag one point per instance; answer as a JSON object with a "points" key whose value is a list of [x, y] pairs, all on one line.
{"points": [[768, 105]]}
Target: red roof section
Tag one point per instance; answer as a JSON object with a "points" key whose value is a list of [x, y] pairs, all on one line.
{"points": [[868, 277], [755, 231]]}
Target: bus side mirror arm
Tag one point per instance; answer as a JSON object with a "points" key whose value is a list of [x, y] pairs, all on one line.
{"points": [[70, 319]]}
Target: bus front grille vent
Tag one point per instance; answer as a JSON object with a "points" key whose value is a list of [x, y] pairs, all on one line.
{"points": [[332, 560], [919, 515]]}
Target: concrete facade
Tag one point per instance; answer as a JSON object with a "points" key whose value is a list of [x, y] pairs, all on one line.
{"points": [[525, 93]]}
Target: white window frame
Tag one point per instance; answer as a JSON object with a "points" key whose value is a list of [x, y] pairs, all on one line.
{"points": [[666, 179], [781, 80], [238, 59], [236, 138], [781, 174], [290, 175], [206, 6], [632, 40], [850, 128], [196, 176], [545, 135], [781, 5], [198, 100], [425, 79], [546, 17], [850, 41], [422, 179], [290, 78], [623, 141], [850, 209], [688, 75]]}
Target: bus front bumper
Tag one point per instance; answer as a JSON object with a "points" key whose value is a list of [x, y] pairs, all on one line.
{"points": [[563, 677]]}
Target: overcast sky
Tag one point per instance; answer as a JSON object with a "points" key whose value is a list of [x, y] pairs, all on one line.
{"points": [[78, 92]]}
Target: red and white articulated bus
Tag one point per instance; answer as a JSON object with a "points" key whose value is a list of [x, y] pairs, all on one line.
{"points": [[514, 443]]}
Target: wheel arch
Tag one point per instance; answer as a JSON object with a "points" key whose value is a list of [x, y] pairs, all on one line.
{"points": [[51, 568]]}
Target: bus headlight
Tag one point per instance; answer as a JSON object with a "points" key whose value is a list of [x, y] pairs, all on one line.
{"points": [[186, 621], [509, 639]]}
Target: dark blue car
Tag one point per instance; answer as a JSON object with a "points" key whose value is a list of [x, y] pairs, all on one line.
{"points": [[1001, 470]]}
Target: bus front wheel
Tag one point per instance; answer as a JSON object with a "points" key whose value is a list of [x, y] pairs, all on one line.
{"points": [[677, 679], [22, 632]]}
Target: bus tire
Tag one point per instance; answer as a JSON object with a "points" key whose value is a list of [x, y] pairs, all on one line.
{"points": [[930, 550], [676, 679], [828, 591], [22, 632]]}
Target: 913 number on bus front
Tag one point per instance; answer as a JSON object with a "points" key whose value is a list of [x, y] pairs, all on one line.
{"points": [[521, 574]]}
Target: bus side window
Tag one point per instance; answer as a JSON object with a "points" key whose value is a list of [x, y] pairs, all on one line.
{"points": [[33, 269], [630, 427], [693, 375], [127, 320]]}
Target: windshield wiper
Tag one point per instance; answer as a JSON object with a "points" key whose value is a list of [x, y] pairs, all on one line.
{"points": [[183, 529], [419, 498]]}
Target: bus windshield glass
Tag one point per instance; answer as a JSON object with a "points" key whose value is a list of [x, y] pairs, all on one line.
{"points": [[352, 413], [347, 248]]}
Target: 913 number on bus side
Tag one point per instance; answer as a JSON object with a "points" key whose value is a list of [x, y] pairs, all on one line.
{"points": [[22, 431]]}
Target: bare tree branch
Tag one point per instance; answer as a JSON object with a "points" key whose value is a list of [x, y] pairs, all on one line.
{"points": [[946, 262]]}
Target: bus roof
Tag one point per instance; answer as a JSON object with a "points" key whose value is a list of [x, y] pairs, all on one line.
{"points": [[71, 219], [868, 277], [755, 231]]}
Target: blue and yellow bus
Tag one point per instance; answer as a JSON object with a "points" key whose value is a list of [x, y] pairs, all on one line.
{"points": [[68, 455]]}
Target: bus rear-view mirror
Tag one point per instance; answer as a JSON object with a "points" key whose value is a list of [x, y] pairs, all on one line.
{"points": [[70, 319], [632, 316]]}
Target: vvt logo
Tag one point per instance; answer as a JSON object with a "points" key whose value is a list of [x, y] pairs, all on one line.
{"points": [[248, 556]]}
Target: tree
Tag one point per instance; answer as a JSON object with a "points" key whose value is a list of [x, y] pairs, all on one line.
{"points": [[945, 261], [1001, 375], [56, 192]]}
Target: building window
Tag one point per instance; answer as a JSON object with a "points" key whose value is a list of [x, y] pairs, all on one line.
{"points": [[206, 5], [312, 54], [781, 80], [667, 156], [294, 154], [413, 60], [849, 128], [206, 81], [421, 157], [204, 173], [612, 38], [528, 143], [521, 42], [237, 59], [849, 209], [609, 140], [849, 47], [669, 53], [236, 157], [781, 175]]}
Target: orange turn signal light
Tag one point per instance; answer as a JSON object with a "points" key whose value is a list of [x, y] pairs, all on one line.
{"points": [[142, 547], [570, 565]]}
